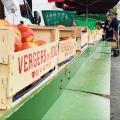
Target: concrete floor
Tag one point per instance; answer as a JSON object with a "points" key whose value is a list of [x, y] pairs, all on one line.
{"points": [[115, 88]]}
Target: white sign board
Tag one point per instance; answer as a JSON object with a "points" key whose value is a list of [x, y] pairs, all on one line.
{"points": [[10, 5], [66, 49], [29, 65]]}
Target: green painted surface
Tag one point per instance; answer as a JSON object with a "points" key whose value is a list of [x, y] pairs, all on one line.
{"points": [[75, 66], [92, 78], [106, 50], [93, 75], [102, 56], [79, 106], [53, 101], [104, 44], [38, 104]]}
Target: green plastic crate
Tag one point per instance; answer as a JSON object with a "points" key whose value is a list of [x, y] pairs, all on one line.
{"points": [[90, 22], [58, 17]]}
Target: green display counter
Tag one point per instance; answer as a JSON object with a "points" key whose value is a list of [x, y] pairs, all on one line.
{"points": [[93, 76], [73, 105], [75, 93]]}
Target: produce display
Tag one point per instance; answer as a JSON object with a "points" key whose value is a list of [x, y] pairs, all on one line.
{"points": [[24, 36], [61, 26], [27, 45], [65, 38], [22, 55], [25, 68], [17, 42], [27, 38], [27, 34], [4, 22], [40, 42]]}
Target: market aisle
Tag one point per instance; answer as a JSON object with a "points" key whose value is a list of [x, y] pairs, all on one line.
{"points": [[115, 88]]}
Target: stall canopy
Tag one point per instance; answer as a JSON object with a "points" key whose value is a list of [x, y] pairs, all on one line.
{"points": [[101, 17], [55, 0], [87, 6]]}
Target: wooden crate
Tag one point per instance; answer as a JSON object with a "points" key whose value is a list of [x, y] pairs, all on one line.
{"points": [[91, 36], [7, 43], [66, 47], [99, 34], [81, 38], [20, 69], [78, 38]]}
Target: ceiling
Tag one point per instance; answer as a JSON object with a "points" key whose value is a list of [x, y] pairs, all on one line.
{"points": [[87, 6]]}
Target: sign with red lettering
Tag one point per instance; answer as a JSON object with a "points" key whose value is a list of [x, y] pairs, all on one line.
{"points": [[66, 49], [29, 65]]}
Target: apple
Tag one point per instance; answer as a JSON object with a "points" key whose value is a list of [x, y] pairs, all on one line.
{"points": [[17, 41], [26, 33], [27, 45], [61, 26], [40, 42], [4, 22], [64, 38]]}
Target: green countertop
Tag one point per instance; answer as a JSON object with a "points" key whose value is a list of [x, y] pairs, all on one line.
{"points": [[83, 97], [93, 75], [79, 106]]}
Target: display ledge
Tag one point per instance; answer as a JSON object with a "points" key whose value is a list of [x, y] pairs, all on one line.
{"points": [[75, 105], [38, 105], [93, 75]]}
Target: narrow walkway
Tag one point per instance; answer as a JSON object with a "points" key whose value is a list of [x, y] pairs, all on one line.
{"points": [[115, 89]]}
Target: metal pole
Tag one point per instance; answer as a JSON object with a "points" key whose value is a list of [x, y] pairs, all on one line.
{"points": [[87, 12], [87, 6], [118, 36]]}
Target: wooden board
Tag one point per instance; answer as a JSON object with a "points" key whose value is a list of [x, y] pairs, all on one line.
{"points": [[99, 34], [47, 34], [3, 91], [81, 38], [29, 65], [78, 44], [66, 47], [84, 41], [78, 31], [7, 43], [91, 37]]}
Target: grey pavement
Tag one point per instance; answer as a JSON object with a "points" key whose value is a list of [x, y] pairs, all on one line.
{"points": [[115, 88]]}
